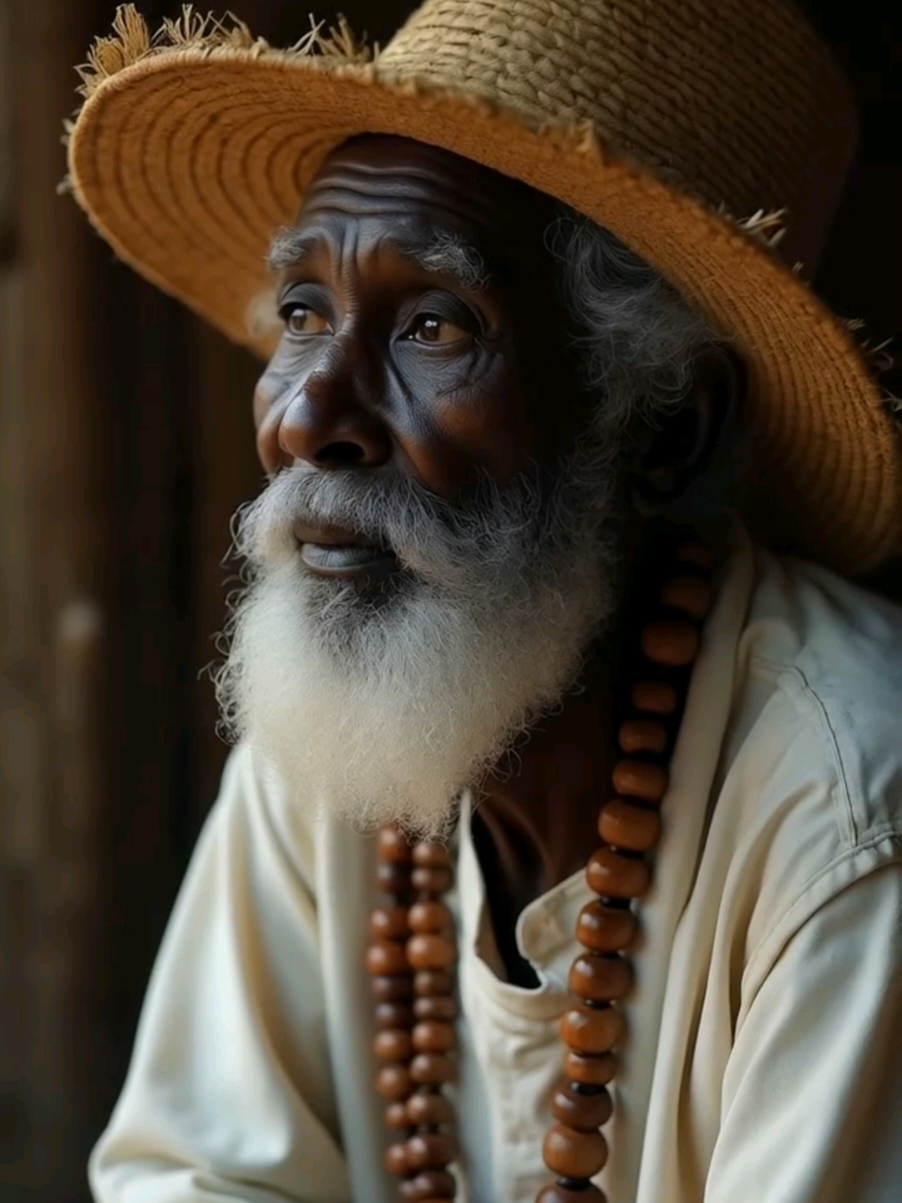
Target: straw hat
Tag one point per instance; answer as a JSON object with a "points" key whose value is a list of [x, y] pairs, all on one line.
{"points": [[687, 127]]}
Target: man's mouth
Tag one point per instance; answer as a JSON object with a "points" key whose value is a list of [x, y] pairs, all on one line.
{"points": [[334, 552]]}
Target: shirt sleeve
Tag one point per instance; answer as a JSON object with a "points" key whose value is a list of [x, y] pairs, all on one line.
{"points": [[812, 1096], [229, 1093]]}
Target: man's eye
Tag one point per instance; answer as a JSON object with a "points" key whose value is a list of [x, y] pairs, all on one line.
{"points": [[436, 331], [302, 320]]}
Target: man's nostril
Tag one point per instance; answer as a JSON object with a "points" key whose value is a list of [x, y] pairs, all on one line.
{"points": [[340, 453]]}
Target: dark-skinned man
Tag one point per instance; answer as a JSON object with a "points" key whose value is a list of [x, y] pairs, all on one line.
{"points": [[558, 856]]}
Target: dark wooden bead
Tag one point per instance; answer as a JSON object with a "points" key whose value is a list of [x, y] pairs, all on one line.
{"points": [[431, 952], [393, 1082], [431, 881], [429, 1108], [695, 554], [393, 1045], [590, 1071], [601, 978], [393, 878], [433, 981], [584, 1112], [604, 929], [625, 825], [431, 855], [673, 644], [384, 958], [394, 846], [691, 594], [574, 1154], [592, 1031], [440, 1006], [396, 1116], [636, 779], [614, 876], [393, 1015], [654, 697], [430, 917], [556, 1193], [390, 923], [642, 735], [433, 1036], [432, 1069], [397, 988], [431, 1150], [430, 1186], [396, 1158]]}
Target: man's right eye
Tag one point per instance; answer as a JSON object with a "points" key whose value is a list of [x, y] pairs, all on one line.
{"points": [[301, 321]]}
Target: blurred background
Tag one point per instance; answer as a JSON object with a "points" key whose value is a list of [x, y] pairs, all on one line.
{"points": [[125, 445]]}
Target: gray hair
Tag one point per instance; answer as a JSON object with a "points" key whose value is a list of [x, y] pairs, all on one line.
{"points": [[636, 340]]}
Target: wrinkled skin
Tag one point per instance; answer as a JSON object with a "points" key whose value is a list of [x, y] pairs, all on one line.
{"points": [[390, 366]]}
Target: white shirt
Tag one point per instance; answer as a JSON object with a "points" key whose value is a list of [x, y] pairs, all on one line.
{"points": [[764, 1056]]}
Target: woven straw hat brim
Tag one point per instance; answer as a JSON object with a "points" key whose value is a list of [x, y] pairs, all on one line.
{"points": [[187, 161]]}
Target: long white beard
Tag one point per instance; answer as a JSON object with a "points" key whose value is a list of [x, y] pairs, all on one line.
{"points": [[383, 706]]}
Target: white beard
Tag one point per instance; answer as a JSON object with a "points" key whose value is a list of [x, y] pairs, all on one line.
{"points": [[381, 707]]}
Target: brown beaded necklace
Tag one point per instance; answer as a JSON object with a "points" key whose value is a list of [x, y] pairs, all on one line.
{"points": [[412, 954]]}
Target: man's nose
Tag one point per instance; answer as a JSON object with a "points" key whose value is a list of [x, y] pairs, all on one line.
{"points": [[331, 422]]}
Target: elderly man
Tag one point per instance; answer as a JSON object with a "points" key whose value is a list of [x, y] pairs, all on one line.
{"points": [[544, 817]]}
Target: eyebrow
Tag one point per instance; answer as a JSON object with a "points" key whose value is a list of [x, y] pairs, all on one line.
{"points": [[447, 254]]}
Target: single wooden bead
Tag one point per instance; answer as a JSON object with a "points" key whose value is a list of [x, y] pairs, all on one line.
{"points": [[431, 855], [590, 1071], [696, 554], [615, 876], [431, 952], [642, 735], [592, 1031], [654, 697], [584, 1112], [390, 923], [396, 988], [393, 878], [674, 644], [396, 1158], [393, 1015], [600, 978], [636, 779], [431, 880], [556, 1193], [385, 958], [691, 594], [574, 1154], [428, 982], [432, 1069], [429, 1108], [396, 1116], [393, 1045], [604, 929], [430, 1186], [394, 846], [430, 917], [441, 1006], [393, 1082], [433, 1036], [431, 1150], [624, 825]]}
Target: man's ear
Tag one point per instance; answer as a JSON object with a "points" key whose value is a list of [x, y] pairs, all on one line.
{"points": [[677, 451]]}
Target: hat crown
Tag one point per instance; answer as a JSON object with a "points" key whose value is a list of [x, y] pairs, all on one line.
{"points": [[738, 104]]}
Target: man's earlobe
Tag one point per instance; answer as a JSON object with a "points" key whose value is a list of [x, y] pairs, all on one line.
{"points": [[677, 451]]}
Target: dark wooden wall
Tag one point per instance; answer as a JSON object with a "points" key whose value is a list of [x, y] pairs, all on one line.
{"points": [[125, 445]]}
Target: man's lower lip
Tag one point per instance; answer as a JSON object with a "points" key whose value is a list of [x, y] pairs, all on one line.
{"points": [[347, 560]]}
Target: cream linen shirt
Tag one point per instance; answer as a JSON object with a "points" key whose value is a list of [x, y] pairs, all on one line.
{"points": [[764, 1058]]}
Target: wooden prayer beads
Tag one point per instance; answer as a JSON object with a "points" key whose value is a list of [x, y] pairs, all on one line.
{"points": [[412, 951]]}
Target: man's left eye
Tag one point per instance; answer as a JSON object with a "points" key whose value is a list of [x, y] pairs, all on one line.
{"points": [[301, 320], [436, 331]]}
